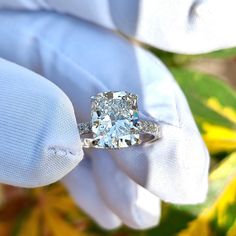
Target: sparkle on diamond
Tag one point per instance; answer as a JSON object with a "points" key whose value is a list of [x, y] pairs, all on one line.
{"points": [[114, 119]]}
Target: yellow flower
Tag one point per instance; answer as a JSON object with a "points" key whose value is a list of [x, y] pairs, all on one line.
{"points": [[219, 138], [41, 212]]}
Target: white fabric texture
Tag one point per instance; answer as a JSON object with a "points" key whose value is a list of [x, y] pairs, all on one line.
{"points": [[81, 184], [39, 142], [186, 26], [83, 59]]}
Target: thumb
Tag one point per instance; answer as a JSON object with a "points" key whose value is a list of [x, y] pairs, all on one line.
{"points": [[39, 139]]}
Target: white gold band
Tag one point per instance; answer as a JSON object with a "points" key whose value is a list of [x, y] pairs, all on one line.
{"points": [[149, 131]]}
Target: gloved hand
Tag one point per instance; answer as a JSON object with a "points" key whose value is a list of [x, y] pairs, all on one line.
{"points": [[39, 141]]}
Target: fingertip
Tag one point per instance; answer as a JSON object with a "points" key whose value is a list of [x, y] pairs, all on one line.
{"points": [[40, 141], [134, 205], [182, 168], [81, 185]]}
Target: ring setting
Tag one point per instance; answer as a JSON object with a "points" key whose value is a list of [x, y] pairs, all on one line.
{"points": [[115, 122]]}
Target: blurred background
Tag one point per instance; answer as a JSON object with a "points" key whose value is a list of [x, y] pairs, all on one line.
{"points": [[209, 83]]}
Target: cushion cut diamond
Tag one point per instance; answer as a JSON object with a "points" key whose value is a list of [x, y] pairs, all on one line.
{"points": [[115, 119]]}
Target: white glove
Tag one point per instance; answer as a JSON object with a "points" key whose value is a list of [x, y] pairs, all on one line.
{"points": [[185, 26], [82, 59]]}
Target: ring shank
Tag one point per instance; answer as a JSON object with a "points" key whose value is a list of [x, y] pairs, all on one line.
{"points": [[149, 132]]}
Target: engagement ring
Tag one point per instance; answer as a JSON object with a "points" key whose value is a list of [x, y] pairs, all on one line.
{"points": [[115, 122]]}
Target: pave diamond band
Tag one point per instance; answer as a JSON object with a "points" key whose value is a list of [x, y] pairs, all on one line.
{"points": [[115, 122], [148, 130]]}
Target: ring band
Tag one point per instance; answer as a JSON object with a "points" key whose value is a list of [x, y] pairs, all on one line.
{"points": [[115, 123], [148, 130]]}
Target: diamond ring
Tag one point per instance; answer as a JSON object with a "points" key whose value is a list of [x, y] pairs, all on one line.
{"points": [[115, 122]]}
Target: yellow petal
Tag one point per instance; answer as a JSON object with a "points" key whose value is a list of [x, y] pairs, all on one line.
{"points": [[66, 205], [218, 138], [57, 189], [199, 227], [232, 230], [226, 199], [31, 224], [226, 170], [226, 112], [57, 225]]}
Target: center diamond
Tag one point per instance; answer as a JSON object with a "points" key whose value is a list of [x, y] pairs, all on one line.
{"points": [[114, 120]]}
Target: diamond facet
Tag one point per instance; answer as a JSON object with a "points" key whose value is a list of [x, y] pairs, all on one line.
{"points": [[115, 119]]}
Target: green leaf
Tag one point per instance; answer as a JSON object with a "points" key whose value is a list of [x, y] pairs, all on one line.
{"points": [[176, 218], [199, 88], [213, 104], [172, 59], [220, 208], [225, 53], [179, 60]]}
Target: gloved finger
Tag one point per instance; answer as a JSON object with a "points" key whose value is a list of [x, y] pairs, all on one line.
{"points": [[190, 26], [81, 184], [95, 11], [176, 167], [91, 66], [39, 140], [136, 207], [95, 60]]}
